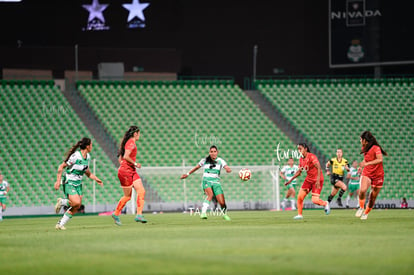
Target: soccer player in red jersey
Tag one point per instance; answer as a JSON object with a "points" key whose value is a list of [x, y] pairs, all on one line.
{"points": [[372, 175], [128, 175], [313, 181]]}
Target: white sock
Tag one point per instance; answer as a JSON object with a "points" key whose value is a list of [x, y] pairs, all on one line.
{"points": [[1, 212], [66, 217], [347, 200], [65, 202], [204, 208], [293, 203]]}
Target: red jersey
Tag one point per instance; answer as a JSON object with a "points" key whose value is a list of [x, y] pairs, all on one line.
{"points": [[308, 164], [376, 170], [130, 146]]}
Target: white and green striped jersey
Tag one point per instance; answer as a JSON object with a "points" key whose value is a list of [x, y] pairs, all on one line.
{"points": [[76, 168], [354, 173], [3, 188], [212, 171], [289, 172]]}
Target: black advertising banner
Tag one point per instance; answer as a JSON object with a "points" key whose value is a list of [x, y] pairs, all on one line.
{"points": [[370, 33]]}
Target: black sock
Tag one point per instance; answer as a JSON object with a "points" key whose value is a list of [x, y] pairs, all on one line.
{"points": [[341, 193], [330, 198]]}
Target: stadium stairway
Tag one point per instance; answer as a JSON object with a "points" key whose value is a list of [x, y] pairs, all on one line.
{"points": [[282, 122]]}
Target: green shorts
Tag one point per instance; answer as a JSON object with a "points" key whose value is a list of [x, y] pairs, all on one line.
{"points": [[353, 187], [3, 200], [70, 189], [216, 186], [290, 185]]}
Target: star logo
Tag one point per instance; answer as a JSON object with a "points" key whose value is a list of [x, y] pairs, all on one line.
{"points": [[136, 10], [96, 10]]}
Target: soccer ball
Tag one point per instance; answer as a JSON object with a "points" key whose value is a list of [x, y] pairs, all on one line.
{"points": [[245, 174]]}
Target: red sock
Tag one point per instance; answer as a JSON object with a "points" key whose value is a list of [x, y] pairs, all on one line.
{"points": [[318, 201], [121, 205], [368, 210], [361, 203], [301, 198]]}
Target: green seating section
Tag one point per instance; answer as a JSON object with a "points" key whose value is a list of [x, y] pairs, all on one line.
{"points": [[333, 113], [38, 127], [179, 121]]}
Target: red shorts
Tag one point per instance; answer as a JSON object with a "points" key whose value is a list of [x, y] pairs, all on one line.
{"points": [[310, 184], [127, 176], [377, 182]]}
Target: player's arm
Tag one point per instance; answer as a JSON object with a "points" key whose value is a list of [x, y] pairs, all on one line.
{"points": [[378, 159], [282, 175], [59, 174], [129, 159], [297, 174], [347, 167], [328, 172], [318, 178], [93, 177], [227, 168], [183, 176]]}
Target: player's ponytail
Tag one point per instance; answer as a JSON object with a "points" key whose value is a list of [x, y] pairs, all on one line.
{"points": [[369, 137], [128, 134], [82, 144]]}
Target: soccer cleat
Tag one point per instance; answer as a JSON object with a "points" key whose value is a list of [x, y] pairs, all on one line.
{"points": [[359, 212], [339, 202], [298, 217], [140, 218], [226, 217], [58, 205], [364, 216], [116, 218], [203, 216], [327, 208], [283, 204], [60, 227]]}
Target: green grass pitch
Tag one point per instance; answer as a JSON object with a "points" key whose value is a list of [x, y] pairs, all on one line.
{"points": [[254, 242]]}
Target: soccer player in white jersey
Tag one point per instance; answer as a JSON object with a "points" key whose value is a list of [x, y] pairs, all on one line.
{"points": [[4, 189], [287, 173], [211, 181], [353, 185], [76, 164]]}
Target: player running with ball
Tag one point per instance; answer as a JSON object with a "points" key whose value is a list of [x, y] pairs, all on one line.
{"points": [[211, 181], [313, 181]]}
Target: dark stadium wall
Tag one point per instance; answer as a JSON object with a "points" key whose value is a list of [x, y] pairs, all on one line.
{"points": [[185, 36]]}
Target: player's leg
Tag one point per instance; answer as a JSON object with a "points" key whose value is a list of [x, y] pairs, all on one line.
{"points": [[301, 197], [219, 194], [126, 180], [61, 202], [348, 198], [75, 202], [139, 187], [340, 184], [127, 190], [2, 208], [317, 200], [292, 194], [208, 191], [365, 184], [376, 186], [334, 188]]}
